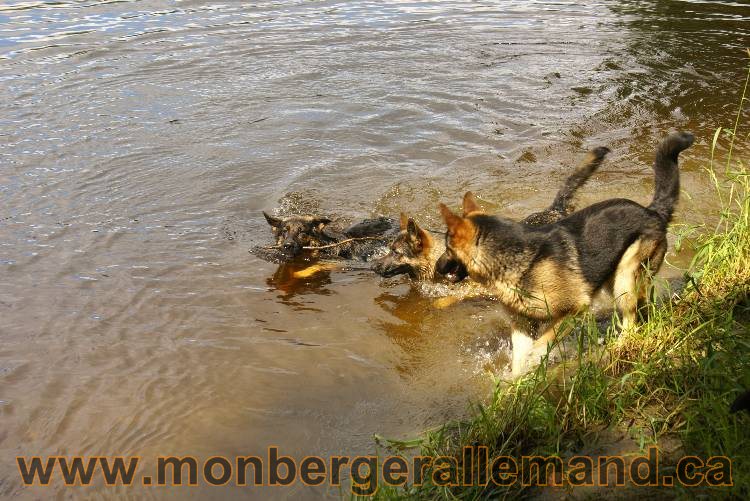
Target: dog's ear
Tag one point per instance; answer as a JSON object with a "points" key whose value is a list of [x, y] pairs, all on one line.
{"points": [[461, 231], [412, 228], [273, 221], [404, 221], [452, 221], [420, 237], [470, 204], [414, 231]]}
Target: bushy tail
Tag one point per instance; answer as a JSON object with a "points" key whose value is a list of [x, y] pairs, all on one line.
{"points": [[667, 175], [563, 200]]}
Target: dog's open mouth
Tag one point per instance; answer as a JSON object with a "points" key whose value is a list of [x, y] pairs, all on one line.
{"points": [[457, 273], [453, 270], [386, 271]]}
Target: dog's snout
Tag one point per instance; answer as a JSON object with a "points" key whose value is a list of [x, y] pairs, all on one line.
{"points": [[387, 267], [382, 267], [452, 269], [442, 264], [290, 247]]}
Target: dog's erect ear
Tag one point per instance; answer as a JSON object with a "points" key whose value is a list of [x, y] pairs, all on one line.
{"points": [[412, 228], [273, 221], [419, 237], [461, 231], [452, 221], [470, 203], [404, 221]]}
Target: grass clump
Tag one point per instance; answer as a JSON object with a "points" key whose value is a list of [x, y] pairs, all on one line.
{"points": [[668, 383]]}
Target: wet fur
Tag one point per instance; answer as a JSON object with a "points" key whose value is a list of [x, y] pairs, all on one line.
{"points": [[415, 252], [545, 273], [293, 233]]}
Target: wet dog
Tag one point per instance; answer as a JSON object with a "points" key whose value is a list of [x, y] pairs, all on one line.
{"points": [[322, 237], [415, 252], [546, 273]]}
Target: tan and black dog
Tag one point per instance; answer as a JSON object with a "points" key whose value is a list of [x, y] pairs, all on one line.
{"points": [[415, 252], [325, 238], [545, 273]]}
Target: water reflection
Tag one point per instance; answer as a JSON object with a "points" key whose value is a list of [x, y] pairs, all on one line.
{"points": [[287, 281]]}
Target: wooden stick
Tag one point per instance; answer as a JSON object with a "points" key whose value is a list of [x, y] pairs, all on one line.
{"points": [[310, 247], [336, 244]]}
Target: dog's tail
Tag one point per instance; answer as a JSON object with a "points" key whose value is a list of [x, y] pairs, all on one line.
{"points": [[667, 175], [564, 198]]}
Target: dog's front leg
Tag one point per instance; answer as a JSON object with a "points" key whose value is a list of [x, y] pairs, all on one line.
{"points": [[553, 331], [527, 351], [522, 345]]}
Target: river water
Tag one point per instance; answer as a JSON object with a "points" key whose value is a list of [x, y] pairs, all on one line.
{"points": [[139, 141]]}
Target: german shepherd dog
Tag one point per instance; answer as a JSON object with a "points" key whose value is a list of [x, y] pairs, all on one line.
{"points": [[415, 252], [322, 237], [325, 238], [546, 273]]}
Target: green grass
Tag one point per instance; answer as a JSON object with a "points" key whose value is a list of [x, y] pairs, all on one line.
{"points": [[669, 382]]}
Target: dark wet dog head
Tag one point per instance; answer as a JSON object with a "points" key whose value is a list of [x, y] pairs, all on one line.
{"points": [[408, 254], [451, 267], [292, 233], [460, 239]]}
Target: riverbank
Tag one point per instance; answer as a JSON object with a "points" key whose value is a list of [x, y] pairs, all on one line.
{"points": [[668, 384]]}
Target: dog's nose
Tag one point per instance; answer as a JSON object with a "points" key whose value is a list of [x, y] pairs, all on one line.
{"points": [[289, 246]]}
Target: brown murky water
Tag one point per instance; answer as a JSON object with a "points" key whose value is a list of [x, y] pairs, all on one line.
{"points": [[139, 141]]}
